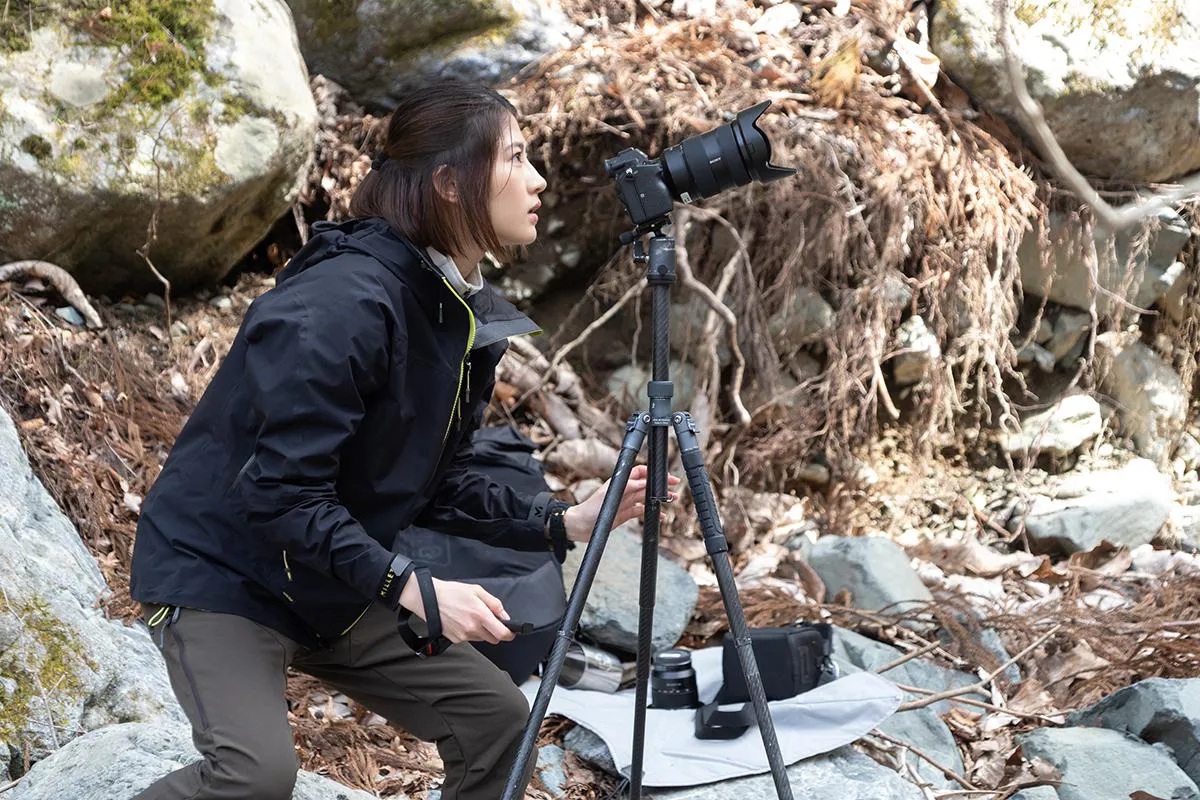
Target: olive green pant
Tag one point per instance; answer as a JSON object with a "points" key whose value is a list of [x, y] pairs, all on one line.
{"points": [[230, 676]]}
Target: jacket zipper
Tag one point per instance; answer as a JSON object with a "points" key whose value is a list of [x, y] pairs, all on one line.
{"points": [[464, 366], [464, 379]]}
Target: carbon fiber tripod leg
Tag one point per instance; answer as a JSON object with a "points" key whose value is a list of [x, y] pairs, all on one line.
{"points": [[718, 551]]}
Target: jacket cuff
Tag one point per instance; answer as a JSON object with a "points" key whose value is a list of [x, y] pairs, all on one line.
{"points": [[392, 583]]}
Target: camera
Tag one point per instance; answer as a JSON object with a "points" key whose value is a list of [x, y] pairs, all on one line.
{"points": [[673, 680], [700, 166]]}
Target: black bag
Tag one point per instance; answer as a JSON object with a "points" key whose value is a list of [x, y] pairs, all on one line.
{"points": [[529, 584], [791, 661]]}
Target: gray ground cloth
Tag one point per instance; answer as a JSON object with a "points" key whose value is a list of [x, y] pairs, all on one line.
{"points": [[815, 722]]}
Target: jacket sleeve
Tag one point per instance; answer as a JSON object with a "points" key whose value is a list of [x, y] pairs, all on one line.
{"points": [[311, 363], [469, 503]]}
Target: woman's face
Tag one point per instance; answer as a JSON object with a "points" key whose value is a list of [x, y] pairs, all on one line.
{"points": [[515, 189]]}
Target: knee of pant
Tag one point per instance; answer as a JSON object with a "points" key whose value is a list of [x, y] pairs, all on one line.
{"points": [[511, 712], [261, 775]]}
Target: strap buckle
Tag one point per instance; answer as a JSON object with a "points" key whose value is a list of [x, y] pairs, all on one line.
{"points": [[434, 642]]}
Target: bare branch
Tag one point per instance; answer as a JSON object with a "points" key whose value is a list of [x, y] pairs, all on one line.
{"points": [[60, 279], [1030, 112]]}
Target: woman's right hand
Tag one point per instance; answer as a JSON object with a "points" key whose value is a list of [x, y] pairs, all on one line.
{"points": [[469, 614]]}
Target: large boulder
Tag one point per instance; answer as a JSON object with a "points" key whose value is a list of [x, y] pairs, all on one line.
{"points": [[1120, 87], [196, 121], [1097, 764], [1159, 711], [1125, 507], [119, 761], [64, 668], [1138, 264], [377, 49]]}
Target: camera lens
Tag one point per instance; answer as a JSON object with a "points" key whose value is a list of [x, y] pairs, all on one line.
{"points": [[673, 680], [732, 155]]}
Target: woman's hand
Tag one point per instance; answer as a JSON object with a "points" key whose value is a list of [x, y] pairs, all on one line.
{"points": [[581, 519], [469, 614]]}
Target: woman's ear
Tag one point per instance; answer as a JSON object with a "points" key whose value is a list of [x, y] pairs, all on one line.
{"points": [[443, 182]]}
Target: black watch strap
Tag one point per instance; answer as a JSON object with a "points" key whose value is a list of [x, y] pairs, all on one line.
{"points": [[556, 530], [433, 642], [394, 580]]}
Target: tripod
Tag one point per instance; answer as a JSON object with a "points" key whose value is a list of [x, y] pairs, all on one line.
{"points": [[660, 276]]}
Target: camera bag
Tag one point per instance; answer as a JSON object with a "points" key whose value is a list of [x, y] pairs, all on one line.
{"points": [[791, 661]]}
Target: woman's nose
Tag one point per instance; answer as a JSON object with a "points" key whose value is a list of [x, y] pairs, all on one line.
{"points": [[538, 183]]}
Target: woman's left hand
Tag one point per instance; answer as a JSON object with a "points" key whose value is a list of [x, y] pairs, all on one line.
{"points": [[581, 519]]}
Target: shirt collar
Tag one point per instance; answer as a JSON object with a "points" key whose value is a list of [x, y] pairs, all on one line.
{"points": [[449, 269]]}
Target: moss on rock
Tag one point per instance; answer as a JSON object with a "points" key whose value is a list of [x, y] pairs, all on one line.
{"points": [[37, 147], [54, 671], [162, 41]]}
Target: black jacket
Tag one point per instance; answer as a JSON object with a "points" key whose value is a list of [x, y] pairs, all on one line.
{"points": [[341, 416]]}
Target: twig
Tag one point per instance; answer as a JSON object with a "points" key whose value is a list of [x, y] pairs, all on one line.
{"points": [[949, 773], [981, 685], [929, 648], [301, 225], [11, 784], [1030, 112], [989, 706], [60, 279]]}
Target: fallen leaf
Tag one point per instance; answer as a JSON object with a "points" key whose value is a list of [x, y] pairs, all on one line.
{"points": [[1078, 662]]}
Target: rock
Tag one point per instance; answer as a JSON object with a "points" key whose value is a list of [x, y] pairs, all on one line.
{"points": [[1059, 430], [687, 330], [1098, 764], [805, 320], [1158, 711], [1150, 271], [1125, 507], [222, 303], [63, 663], [376, 52], [1153, 401], [1118, 90], [69, 314], [874, 569], [845, 774], [1036, 793], [777, 20], [922, 728], [920, 352], [122, 760], [207, 128], [610, 616], [1036, 354], [1188, 452], [551, 770], [1067, 337]]}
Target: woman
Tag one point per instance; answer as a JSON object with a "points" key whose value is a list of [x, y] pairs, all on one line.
{"points": [[341, 416]]}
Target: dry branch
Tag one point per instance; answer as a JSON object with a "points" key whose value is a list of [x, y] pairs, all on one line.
{"points": [[60, 279]]}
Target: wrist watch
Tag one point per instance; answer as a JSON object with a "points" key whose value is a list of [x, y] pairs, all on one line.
{"points": [[556, 530]]}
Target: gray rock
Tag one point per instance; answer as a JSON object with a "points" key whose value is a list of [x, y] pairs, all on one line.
{"points": [[1125, 506], [120, 761], [91, 149], [922, 728], [1119, 93], [1036, 354], [803, 321], [551, 770], [1036, 793], [874, 569], [1066, 341], [1159, 711], [1098, 764], [1059, 430], [591, 748], [375, 52], [844, 774], [610, 615], [65, 665], [1151, 399], [919, 352], [1143, 274], [69, 314]]}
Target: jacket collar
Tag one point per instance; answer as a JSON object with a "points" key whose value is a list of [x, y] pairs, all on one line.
{"points": [[495, 317]]}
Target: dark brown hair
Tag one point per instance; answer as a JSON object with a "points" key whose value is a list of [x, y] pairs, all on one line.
{"points": [[442, 122]]}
